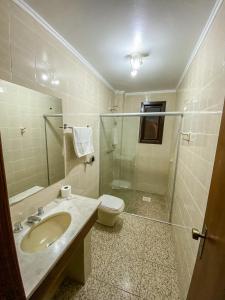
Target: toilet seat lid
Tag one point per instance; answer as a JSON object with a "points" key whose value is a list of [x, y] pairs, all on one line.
{"points": [[111, 202]]}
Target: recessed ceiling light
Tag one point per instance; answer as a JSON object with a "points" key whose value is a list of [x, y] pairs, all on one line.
{"points": [[44, 77], [55, 82]]}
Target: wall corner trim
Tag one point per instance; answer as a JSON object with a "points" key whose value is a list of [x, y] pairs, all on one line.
{"points": [[23, 5], [202, 37]]}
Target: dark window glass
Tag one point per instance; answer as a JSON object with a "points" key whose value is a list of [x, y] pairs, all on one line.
{"points": [[151, 128]]}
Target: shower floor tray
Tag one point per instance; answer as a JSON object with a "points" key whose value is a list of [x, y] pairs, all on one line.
{"points": [[121, 184]]}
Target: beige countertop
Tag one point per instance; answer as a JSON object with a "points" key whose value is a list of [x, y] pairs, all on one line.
{"points": [[34, 267]]}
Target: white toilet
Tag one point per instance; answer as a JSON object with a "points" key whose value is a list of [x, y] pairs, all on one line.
{"points": [[109, 210]]}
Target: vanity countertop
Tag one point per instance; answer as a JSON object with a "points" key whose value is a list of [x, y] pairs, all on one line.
{"points": [[35, 267]]}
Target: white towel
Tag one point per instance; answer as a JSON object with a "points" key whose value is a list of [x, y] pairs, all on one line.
{"points": [[83, 141], [114, 136]]}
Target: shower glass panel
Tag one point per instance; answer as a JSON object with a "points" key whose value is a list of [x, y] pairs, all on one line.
{"points": [[141, 174], [117, 162]]}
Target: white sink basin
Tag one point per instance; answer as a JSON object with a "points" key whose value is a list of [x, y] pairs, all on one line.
{"points": [[45, 233]]}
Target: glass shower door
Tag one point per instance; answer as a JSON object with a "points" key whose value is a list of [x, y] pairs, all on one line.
{"points": [[124, 160], [117, 159], [142, 174]]}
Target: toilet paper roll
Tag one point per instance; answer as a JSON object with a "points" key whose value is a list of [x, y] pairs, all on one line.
{"points": [[65, 191]]}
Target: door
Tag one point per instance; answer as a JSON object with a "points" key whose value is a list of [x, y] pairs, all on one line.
{"points": [[11, 285], [208, 280]]}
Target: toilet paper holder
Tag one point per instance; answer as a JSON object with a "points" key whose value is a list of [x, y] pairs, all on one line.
{"points": [[90, 160]]}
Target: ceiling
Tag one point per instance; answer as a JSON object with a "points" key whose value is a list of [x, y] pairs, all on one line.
{"points": [[105, 31]]}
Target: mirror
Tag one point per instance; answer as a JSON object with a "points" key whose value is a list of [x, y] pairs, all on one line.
{"points": [[32, 140]]}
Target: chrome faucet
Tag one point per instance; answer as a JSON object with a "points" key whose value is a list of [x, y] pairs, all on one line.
{"points": [[40, 211], [33, 219], [17, 227], [36, 218]]}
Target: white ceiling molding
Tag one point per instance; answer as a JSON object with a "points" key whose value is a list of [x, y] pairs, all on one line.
{"points": [[201, 39], [119, 92], [67, 45], [150, 92]]}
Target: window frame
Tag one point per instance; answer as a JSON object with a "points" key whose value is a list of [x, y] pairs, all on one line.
{"points": [[161, 120]]}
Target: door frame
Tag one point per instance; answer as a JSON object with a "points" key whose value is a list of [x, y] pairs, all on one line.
{"points": [[11, 285]]}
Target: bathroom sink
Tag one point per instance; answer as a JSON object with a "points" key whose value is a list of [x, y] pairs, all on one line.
{"points": [[45, 233]]}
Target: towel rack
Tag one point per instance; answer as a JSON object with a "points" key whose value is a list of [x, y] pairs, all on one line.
{"points": [[65, 126], [110, 151]]}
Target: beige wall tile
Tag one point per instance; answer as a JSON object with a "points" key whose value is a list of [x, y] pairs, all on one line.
{"points": [[203, 89], [5, 58], [152, 162]]}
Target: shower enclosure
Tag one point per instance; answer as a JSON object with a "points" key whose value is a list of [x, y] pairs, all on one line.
{"points": [[142, 174]]}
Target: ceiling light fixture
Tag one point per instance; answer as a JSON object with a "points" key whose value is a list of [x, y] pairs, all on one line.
{"points": [[136, 61]]}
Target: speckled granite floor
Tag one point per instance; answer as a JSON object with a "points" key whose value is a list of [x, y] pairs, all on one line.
{"points": [[157, 208], [134, 260]]}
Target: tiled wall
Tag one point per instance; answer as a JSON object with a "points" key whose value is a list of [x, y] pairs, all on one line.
{"points": [[27, 51], [152, 162], [203, 89], [25, 153]]}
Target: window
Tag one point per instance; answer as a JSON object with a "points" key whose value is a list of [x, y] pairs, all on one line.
{"points": [[151, 128]]}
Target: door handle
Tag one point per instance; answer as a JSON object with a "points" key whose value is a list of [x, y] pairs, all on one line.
{"points": [[196, 234]]}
